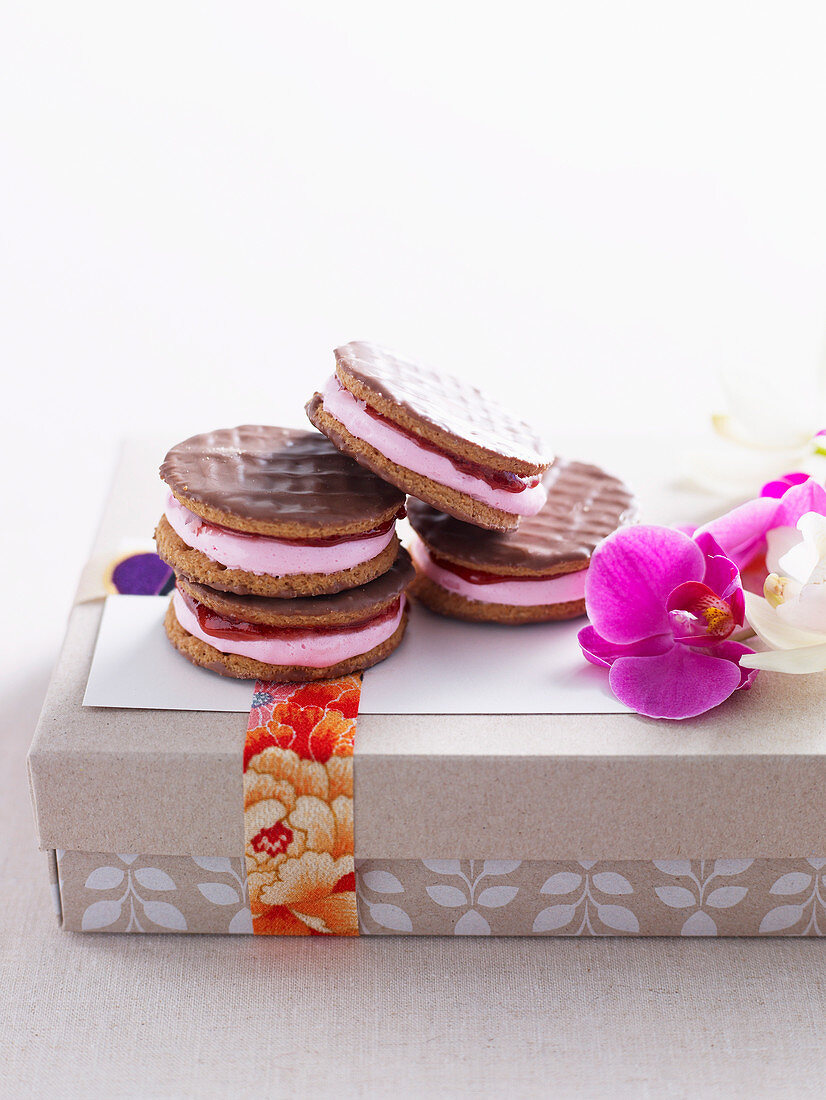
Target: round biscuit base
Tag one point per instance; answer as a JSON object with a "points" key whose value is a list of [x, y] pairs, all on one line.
{"points": [[246, 668], [454, 606], [454, 503], [197, 567]]}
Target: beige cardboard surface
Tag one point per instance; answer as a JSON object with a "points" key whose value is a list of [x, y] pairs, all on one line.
{"points": [[745, 780], [108, 780]]}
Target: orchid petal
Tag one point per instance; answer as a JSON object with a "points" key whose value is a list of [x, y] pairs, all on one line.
{"points": [[797, 501], [799, 662], [741, 532], [773, 631], [734, 652], [802, 560], [630, 577], [601, 652], [681, 683], [774, 489], [753, 576], [780, 541], [807, 612], [778, 488], [707, 543], [721, 575], [737, 603]]}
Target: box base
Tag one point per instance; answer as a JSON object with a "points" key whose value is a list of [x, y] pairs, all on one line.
{"points": [[103, 892]]}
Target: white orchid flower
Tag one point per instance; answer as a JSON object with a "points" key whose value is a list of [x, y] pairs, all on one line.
{"points": [[791, 619], [765, 432]]}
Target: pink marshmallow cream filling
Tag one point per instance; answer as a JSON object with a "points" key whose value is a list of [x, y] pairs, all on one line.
{"points": [[263, 555], [310, 649], [404, 451], [565, 588]]}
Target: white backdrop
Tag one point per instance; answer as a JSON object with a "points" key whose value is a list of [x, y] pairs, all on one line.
{"points": [[596, 209]]}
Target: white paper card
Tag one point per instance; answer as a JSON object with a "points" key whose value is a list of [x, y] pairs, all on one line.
{"points": [[134, 665], [442, 667]]}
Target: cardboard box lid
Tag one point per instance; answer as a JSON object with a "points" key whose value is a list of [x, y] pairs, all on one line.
{"points": [[745, 779]]}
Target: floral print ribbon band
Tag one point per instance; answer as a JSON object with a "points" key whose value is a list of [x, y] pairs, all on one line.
{"points": [[298, 808]]}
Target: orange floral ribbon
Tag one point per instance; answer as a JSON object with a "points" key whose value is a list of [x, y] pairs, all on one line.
{"points": [[298, 808]]}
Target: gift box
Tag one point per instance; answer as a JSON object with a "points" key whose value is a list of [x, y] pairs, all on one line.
{"points": [[492, 787]]}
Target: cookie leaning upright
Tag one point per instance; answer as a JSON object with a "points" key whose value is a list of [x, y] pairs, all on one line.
{"points": [[436, 437], [274, 512], [534, 574], [286, 559]]}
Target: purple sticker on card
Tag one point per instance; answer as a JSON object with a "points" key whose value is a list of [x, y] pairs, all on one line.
{"points": [[142, 575]]}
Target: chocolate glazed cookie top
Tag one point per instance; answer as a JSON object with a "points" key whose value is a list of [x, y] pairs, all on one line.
{"points": [[438, 400], [277, 481], [584, 505], [353, 605]]}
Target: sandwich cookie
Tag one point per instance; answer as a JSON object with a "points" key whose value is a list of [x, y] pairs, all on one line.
{"points": [[437, 438], [266, 511], [309, 638], [535, 574]]}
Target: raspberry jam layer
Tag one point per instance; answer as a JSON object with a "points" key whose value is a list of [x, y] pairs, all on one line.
{"points": [[475, 584], [304, 647], [509, 493], [496, 479], [266, 556]]}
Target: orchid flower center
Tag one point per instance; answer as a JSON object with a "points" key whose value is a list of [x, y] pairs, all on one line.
{"points": [[774, 589], [698, 615], [717, 619]]}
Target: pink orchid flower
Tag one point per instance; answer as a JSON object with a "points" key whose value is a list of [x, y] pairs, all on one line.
{"points": [[742, 532], [778, 488], [662, 607]]}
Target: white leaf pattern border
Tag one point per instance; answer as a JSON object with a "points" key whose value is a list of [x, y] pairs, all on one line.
{"points": [[723, 896], [696, 894], [134, 893], [106, 912], [586, 914], [784, 917], [152, 914], [465, 896]]}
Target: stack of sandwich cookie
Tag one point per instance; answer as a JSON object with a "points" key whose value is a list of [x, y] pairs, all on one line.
{"points": [[437, 438], [287, 562], [534, 574]]}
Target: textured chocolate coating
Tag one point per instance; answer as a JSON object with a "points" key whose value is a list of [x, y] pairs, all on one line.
{"points": [[277, 480], [445, 499], [436, 400], [353, 605], [584, 505]]}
